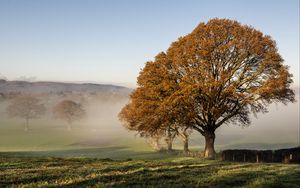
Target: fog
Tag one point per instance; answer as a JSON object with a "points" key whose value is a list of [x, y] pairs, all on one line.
{"points": [[101, 128], [277, 127]]}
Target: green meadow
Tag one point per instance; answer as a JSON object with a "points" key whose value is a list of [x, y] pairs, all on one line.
{"points": [[167, 172], [46, 139], [49, 155]]}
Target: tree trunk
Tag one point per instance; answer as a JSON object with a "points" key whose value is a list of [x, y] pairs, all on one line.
{"points": [[26, 125], [209, 152], [69, 126], [170, 147], [154, 143], [185, 139], [169, 141], [186, 145]]}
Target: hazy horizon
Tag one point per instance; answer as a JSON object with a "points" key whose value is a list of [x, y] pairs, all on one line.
{"points": [[31, 79]]}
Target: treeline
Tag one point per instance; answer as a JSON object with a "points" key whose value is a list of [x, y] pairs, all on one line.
{"points": [[67, 94]]}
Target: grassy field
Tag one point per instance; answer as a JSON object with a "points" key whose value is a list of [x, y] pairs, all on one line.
{"points": [[89, 156], [47, 138], [168, 172]]}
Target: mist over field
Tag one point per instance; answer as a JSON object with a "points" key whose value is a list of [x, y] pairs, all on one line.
{"points": [[99, 128], [277, 128], [102, 129]]}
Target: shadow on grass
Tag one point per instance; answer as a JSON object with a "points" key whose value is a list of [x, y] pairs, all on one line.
{"points": [[175, 176], [89, 172], [115, 152], [290, 179], [192, 176], [35, 179]]}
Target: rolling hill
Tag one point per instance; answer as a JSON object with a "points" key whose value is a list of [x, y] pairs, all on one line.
{"points": [[58, 87]]}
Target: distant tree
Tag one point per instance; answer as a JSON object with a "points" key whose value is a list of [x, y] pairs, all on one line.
{"points": [[27, 107], [221, 72], [69, 111]]}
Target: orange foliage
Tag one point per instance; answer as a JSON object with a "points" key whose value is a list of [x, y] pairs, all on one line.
{"points": [[219, 73]]}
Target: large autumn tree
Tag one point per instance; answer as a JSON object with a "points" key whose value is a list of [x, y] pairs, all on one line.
{"points": [[224, 71]]}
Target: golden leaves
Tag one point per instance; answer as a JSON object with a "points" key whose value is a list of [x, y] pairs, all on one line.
{"points": [[211, 76]]}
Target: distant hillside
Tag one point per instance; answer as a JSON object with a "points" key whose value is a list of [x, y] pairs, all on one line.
{"points": [[60, 87]]}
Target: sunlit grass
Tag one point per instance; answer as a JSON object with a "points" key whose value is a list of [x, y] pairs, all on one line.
{"points": [[44, 157], [179, 172]]}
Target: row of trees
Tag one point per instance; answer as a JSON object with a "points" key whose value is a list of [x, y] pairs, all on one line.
{"points": [[30, 107], [218, 74]]}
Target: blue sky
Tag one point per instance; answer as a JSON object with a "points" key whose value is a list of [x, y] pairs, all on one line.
{"points": [[109, 41]]}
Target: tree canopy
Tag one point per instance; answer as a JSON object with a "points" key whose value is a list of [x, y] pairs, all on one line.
{"points": [[69, 111], [26, 107], [220, 73]]}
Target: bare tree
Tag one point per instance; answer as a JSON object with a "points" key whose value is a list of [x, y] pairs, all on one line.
{"points": [[69, 111], [26, 107]]}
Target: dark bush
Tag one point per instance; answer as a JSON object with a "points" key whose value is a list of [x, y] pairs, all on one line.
{"points": [[291, 155], [237, 155]]}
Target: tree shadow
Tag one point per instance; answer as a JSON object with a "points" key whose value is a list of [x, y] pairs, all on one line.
{"points": [[289, 179], [188, 176], [178, 175], [113, 152], [20, 180], [166, 173]]}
